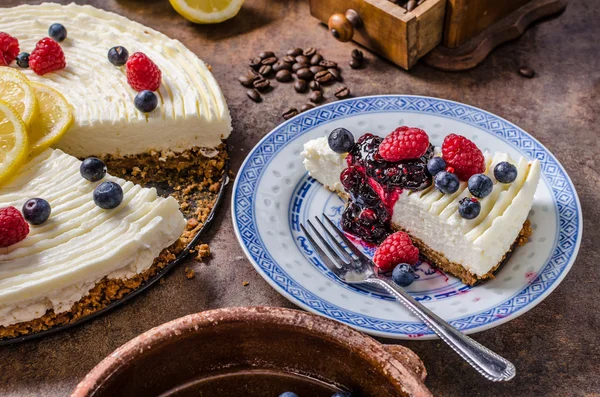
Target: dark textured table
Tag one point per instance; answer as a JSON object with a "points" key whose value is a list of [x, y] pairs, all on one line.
{"points": [[555, 346]]}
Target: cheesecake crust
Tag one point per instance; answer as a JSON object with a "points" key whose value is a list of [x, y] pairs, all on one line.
{"points": [[440, 261], [191, 178]]}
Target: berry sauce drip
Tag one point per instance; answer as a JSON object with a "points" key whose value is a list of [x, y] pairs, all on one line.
{"points": [[374, 186]]}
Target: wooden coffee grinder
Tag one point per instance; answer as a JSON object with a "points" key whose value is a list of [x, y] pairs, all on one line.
{"points": [[447, 34]]}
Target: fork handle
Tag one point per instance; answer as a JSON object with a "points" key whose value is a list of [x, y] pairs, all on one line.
{"points": [[486, 362]]}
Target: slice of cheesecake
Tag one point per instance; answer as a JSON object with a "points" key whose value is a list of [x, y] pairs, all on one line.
{"points": [[469, 249], [191, 111], [60, 261]]}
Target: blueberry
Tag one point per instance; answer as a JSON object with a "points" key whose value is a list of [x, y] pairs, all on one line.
{"points": [[341, 140], [288, 394], [58, 32], [118, 55], [505, 172], [93, 169], [342, 394], [36, 211], [403, 275], [480, 185], [469, 208], [108, 195], [23, 60], [146, 101], [446, 182], [435, 165]]}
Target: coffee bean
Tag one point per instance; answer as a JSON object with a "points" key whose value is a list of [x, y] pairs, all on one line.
{"points": [[261, 84], [255, 63], [266, 54], [284, 76], [291, 112], [281, 65], [303, 59], [300, 85], [254, 95], [342, 92], [526, 71], [265, 70], [336, 74], [316, 59], [357, 54], [355, 64], [289, 59], [306, 107], [314, 85], [298, 66], [316, 96], [305, 74], [411, 5], [323, 77], [295, 52], [316, 69], [309, 52], [269, 61], [247, 79], [328, 64]]}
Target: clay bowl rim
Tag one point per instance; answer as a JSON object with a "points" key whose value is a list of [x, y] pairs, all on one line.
{"points": [[399, 376]]}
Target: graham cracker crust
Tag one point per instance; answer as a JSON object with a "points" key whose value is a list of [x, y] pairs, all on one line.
{"points": [[192, 179], [439, 260]]}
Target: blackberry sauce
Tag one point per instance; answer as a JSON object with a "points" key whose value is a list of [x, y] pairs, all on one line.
{"points": [[374, 186]]}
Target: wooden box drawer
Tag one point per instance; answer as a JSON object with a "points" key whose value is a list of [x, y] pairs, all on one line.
{"points": [[388, 29]]}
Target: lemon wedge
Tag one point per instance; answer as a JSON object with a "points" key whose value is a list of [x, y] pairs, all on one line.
{"points": [[207, 11], [13, 141], [53, 120], [16, 91]]}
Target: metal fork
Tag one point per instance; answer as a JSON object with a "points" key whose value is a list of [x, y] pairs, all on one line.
{"points": [[353, 267]]}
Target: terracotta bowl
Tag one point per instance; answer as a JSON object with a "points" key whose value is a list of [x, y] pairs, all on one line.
{"points": [[255, 351]]}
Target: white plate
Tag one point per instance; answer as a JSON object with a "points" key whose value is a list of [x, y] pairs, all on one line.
{"points": [[273, 194]]}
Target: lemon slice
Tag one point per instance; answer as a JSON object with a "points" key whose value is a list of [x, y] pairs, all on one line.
{"points": [[16, 91], [207, 11], [53, 120], [13, 141]]}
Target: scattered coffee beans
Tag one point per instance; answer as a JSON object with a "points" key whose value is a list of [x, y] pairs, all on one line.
{"points": [[411, 5], [281, 65], [307, 106], [300, 86], [335, 73], [298, 66], [284, 76], [355, 63], [357, 54], [255, 63], [342, 92], [316, 69], [266, 54], [269, 61], [316, 59], [328, 64], [254, 95], [309, 52], [291, 112], [314, 85], [295, 52], [289, 59], [323, 77], [247, 79], [303, 60], [261, 84], [526, 72], [305, 74], [265, 70], [316, 96]]}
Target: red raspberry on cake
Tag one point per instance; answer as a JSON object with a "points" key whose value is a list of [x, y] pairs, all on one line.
{"points": [[404, 143], [9, 49], [142, 73], [396, 248], [13, 227], [463, 155], [47, 57]]}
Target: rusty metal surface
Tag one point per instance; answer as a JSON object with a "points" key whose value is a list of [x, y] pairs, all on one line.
{"points": [[555, 346]]}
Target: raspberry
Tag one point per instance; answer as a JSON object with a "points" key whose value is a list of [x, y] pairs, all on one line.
{"points": [[396, 248], [142, 73], [462, 155], [13, 227], [47, 57], [9, 49], [404, 143]]}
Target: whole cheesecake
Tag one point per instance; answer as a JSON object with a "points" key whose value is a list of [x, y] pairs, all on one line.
{"points": [[192, 111], [84, 257], [470, 249]]}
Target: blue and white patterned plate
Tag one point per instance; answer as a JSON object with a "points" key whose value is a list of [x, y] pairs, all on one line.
{"points": [[273, 194]]}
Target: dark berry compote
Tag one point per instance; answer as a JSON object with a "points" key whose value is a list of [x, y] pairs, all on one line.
{"points": [[374, 186]]}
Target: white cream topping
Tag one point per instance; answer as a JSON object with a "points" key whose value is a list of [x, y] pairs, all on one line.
{"points": [[191, 112], [431, 216], [61, 260]]}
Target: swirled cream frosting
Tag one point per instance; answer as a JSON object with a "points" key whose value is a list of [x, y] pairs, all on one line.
{"points": [[60, 261], [192, 111]]}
